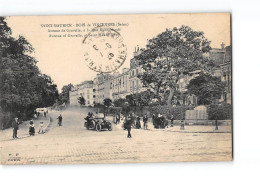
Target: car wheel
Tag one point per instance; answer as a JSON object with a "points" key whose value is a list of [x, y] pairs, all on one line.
{"points": [[98, 127], [109, 127]]}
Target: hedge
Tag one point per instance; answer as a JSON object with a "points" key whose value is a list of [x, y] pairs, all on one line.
{"points": [[221, 112]]}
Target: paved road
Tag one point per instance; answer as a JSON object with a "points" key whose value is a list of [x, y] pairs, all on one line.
{"points": [[72, 143]]}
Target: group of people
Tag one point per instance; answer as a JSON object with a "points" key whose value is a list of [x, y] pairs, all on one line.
{"points": [[15, 126], [37, 113], [160, 121], [134, 121], [138, 122], [32, 129]]}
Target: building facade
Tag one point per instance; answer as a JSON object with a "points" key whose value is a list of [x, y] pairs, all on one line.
{"points": [[136, 85], [102, 85], [120, 84], [84, 89]]}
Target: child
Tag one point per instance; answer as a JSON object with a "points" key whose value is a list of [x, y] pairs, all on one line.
{"points": [[31, 129], [41, 127]]}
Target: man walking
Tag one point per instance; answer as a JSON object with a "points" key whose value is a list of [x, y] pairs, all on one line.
{"points": [[145, 120], [128, 126], [15, 126], [59, 120]]}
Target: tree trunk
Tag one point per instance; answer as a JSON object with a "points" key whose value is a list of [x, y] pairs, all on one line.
{"points": [[169, 101]]}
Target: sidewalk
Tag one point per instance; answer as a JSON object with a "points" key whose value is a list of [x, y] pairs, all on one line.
{"points": [[23, 131], [193, 129]]}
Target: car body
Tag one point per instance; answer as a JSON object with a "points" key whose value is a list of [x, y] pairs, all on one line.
{"points": [[98, 123]]}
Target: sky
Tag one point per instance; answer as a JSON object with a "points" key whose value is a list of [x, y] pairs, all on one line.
{"points": [[63, 57]]}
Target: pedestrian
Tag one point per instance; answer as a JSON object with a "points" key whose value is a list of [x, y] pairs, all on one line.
{"points": [[40, 127], [117, 119], [138, 124], [153, 117], [182, 125], [128, 125], [31, 128], [59, 120], [145, 120], [38, 114], [172, 120], [44, 113], [158, 120], [15, 126]]}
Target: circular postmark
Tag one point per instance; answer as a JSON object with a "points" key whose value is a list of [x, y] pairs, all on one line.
{"points": [[104, 50]]}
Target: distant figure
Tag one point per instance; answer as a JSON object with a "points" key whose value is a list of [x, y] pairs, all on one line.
{"points": [[31, 128], [138, 124], [172, 120], [44, 113], [15, 126], [59, 120], [153, 117], [38, 114], [145, 120], [40, 127], [128, 126], [117, 118], [182, 125]]}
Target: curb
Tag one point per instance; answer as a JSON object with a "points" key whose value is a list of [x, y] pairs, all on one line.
{"points": [[174, 131], [48, 124]]}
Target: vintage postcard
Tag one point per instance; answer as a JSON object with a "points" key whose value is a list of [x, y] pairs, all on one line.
{"points": [[115, 88]]}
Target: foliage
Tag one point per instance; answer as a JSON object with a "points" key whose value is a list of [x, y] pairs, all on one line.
{"points": [[119, 102], [23, 87], [208, 88], [220, 112], [64, 95], [140, 99], [107, 102], [81, 100], [170, 55]]}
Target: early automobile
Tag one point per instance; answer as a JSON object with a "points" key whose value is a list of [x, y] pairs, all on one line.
{"points": [[97, 123]]}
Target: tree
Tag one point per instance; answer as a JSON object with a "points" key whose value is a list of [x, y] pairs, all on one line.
{"points": [[208, 88], [81, 101], [22, 86], [64, 95], [107, 102], [119, 102], [171, 55]]}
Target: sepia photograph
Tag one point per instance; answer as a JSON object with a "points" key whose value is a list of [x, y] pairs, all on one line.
{"points": [[125, 88]]}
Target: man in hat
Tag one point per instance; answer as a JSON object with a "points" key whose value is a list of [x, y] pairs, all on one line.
{"points": [[128, 126], [15, 126]]}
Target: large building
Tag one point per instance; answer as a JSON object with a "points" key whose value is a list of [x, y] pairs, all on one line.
{"points": [[85, 90], [136, 86], [226, 69], [222, 59], [102, 86], [120, 84]]}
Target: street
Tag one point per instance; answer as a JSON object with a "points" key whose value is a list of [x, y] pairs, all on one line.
{"points": [[73, 144]]}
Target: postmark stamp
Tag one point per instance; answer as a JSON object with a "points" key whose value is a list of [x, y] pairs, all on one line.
{"points": [[104, 49]]}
